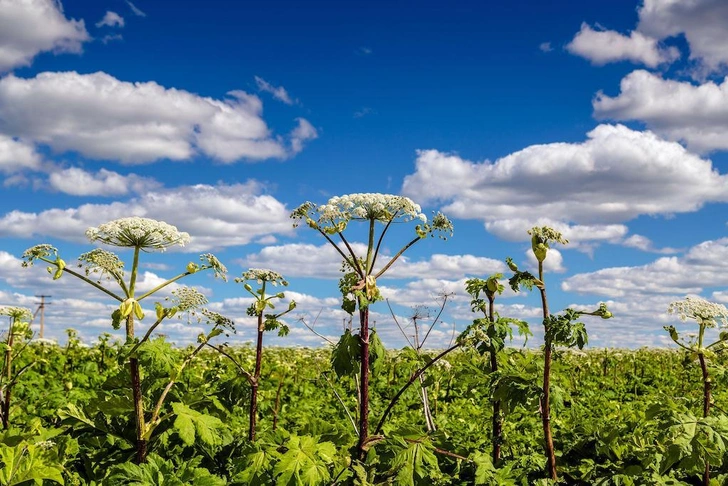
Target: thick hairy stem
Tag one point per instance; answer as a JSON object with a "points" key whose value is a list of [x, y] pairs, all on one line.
{"points": [[363, 383], [136, 390], [136, 386], [706, 408], [370, 249], [8, 376], [256, 379], [546, 391], [412, 379], [497, 419], [546, 414]]}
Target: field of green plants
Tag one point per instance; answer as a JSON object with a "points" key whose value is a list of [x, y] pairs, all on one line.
{"points": [[620, 417], [142, 412]]}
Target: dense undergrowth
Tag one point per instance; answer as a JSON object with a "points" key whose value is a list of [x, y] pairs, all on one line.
{"points": [[619, 418]]}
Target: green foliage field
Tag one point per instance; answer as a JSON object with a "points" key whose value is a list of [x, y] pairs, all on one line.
{"points": [[620, 418]]}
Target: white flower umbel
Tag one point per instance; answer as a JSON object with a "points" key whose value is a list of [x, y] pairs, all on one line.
{"points": [[334, 216], [261, 275], [704, 312], [17, 314], [135, 232]]}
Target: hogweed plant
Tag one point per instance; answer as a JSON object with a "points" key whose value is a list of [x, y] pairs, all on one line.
{"points": [[419, 374], [707, 315], [359, 284], [488, 334], [99, 267], [265, 322], [559, 330], [18, 336]]}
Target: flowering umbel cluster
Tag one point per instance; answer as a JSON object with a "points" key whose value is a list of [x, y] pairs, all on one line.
{"points": [[37, 252], [261, 275], [704, 312], [335, 215], [17, 314], [135, 232], [103, 262]]}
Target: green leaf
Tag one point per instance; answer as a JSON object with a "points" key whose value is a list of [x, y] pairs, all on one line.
{"points": [[191, 423], [376, 351], [305, 462], [346, 354], [29, 462]]}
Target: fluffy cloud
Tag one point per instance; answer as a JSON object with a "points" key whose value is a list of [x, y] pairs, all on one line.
{"points": [[111, 19], [701, 21], [215, 216], [28, 27], [105, 118], [697, 115], [17, 155], [703, 266], [78, 182], [645, 244], [614, 176], [579, 235], [605, 46]]}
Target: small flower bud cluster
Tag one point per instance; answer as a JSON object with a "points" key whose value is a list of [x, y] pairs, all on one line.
{"points": [[187, 298], [217, 319], [101, 261], [704, 312], [218, 268], [545, 234], [261, 275], [135, 232], [38, 251]]}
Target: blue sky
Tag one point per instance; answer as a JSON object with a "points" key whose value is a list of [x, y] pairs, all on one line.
{"points": [[607, 120]]}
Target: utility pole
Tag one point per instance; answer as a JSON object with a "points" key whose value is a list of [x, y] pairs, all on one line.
{"points": [[41, 308]]}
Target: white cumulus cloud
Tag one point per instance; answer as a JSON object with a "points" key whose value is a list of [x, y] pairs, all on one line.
{"points": [[702, 22], [605, 46], [215, 216], [78, 182], [593, 187], [29, 27], [678, 110], [102, 117], [16, 155]]}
